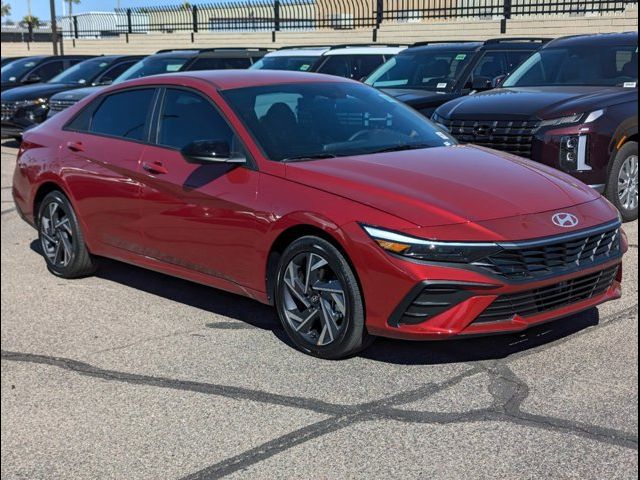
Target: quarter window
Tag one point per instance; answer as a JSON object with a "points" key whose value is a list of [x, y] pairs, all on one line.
{"points": [[124, 114], [187, 117]]}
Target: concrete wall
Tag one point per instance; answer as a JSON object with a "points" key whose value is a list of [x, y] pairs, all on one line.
{"points": [[403, 33]]}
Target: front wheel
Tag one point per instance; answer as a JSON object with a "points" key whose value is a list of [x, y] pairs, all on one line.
{"points": [[319, 301], [622, 189], [61, 239]]}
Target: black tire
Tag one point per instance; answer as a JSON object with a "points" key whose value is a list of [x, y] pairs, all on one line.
{"points": [[63, 247], [612, 191], [351, 335]]}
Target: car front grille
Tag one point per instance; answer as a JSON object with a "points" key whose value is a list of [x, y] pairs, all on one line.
{"points": [[539, 259], [56, 106], [512, 136], [550, 298], [8, 110]]}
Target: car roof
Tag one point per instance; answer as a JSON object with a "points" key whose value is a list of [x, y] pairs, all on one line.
{"points": [[298, 52], [600, 39], [230, 79], [365, 50], [214, 52], [502, 43]]}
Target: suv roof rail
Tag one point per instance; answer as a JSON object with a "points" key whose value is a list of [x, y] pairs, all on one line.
{"points": [[518, 39], [215, 49], [357, 45], [441, 42], [302, 47]]}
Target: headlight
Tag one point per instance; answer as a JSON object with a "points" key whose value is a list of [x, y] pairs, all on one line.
{"points": [[31, 103], [556, 122], [428, 250], [573, 119]]}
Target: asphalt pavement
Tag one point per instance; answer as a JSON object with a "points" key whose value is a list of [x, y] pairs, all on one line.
{"points": [[131, 374]]}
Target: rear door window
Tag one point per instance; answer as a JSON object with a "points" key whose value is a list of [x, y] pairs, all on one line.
{"points": [[351, 66], [48, 70], [491, 65], [115, 71], [125, 114]]}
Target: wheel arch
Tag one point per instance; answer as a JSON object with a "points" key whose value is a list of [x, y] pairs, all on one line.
{"points": [[42, 191], [286, 238]]}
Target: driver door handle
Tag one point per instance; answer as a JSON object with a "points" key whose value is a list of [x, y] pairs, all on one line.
{"points": [[155, 168]]}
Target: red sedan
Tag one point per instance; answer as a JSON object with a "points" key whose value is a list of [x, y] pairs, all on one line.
{"points": [[345, 209]]}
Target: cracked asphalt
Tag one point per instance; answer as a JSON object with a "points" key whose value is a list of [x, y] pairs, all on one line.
{"points": [[134, 375]]}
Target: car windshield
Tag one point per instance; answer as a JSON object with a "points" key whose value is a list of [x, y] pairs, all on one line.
{"points": [[152, 66], [585, 65], [298, 63], [82, 73], [12, 72], [297, 122], [432, 69]]}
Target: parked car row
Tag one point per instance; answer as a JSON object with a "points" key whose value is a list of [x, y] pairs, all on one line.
{"points": [[570, 103]]}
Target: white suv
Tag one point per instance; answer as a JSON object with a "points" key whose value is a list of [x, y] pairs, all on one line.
{"points": [[349, 61]]}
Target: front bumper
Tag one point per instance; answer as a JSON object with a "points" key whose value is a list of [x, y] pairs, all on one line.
{"points": [[477, 314], [461, 299]]}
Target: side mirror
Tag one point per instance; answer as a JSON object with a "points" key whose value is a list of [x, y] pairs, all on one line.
{"points": [[210, 151], [496, 82], [33, 79], [481, 83]]}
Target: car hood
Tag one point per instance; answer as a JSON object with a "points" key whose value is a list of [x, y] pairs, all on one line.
{"points": [[535, 102], [32, 92], [445, 185], [419, 98], [77, 94]]}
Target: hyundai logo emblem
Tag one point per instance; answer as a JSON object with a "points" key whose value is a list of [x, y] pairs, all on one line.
{"points": [[565, 220]]}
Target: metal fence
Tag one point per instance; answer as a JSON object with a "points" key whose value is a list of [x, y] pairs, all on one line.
{"points": [[288, 15]]}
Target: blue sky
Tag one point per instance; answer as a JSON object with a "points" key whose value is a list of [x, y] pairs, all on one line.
{"points": [[40, 8]]}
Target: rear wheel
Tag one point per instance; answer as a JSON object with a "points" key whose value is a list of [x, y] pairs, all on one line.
{"points": [[319, 300], [622, 189], [61, 239]]}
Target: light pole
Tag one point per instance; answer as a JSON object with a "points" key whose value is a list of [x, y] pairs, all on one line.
{"points": [[54, 26]]}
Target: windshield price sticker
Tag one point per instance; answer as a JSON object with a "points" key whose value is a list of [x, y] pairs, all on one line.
{"points": [[461, 57], [442, 85]]}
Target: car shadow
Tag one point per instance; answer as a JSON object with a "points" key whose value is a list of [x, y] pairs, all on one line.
{"points": [[252, 314], [475, 349]]}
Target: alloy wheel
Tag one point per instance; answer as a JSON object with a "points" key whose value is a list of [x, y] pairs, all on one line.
{"points": [[314, 300], [628, 183], [56, 235]]}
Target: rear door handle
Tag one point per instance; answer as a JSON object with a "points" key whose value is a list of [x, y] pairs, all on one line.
{"points": [[155, 168], [75, 146]]}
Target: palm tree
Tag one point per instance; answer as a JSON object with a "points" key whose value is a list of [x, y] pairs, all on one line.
{"points": [[6, 9], [31, 19]]}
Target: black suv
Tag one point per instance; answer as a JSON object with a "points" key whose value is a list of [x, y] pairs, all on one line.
{"points": [[37, 69], [428, 74], [169, 61], [28, 105], [573, 106]]}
